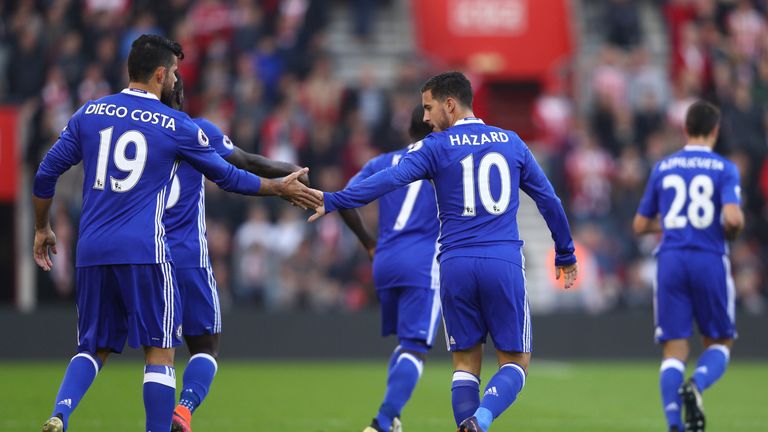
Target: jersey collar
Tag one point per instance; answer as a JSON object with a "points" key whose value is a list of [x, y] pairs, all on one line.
{"points": [[691, 147], [468, 120], [139, 93]]}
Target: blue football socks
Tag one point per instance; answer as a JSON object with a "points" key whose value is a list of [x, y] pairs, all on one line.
{"points": [[711, 366], [500, 393], [198, 377], [402, 379], [159, 396], [81, 372], [393, 358], [465, 395], [671, 377]]}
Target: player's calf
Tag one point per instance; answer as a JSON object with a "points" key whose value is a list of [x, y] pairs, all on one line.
{"points": [[198, 376]]}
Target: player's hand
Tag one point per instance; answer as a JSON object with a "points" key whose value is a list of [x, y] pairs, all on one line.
{"points": [[45, 241], [319, 212], [569, 272], [304, 179], [297, 193]]}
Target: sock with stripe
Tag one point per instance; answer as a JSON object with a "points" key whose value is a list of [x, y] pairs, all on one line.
{"points": [[711, 366], [402, 379], [198, 377], [159, 396], [81, 372], [465, 395], [500, 393], [671, 377], [393, 358]]}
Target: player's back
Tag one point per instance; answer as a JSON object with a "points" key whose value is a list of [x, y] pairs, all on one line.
{"points": [[688, 190], [477, 181], [128, 145], [408, 229], [185, 210]]}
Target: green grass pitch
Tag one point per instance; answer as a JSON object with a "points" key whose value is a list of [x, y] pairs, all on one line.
{"points": [[343, 396]]}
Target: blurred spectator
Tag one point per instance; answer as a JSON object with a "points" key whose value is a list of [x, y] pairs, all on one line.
{"points": [[622, 21]]}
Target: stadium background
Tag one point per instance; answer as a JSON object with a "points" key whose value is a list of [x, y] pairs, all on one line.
{"points": [[598, 89]]}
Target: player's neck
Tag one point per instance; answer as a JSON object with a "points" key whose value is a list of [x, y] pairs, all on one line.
{"points": [[701, 142], [461, 115], [146, 87]]}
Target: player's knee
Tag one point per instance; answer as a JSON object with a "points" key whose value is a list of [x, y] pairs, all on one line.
{"points": [[102, 356], [709, 342], [159, 356], [416, 347], [203, 344]]}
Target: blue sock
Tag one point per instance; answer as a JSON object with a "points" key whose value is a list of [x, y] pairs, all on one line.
{"points": [[711, 366], [393, 358], [81, 372], [402, 379], [500, 393], [198, 377], [670, 379], [465, 395], [159, 396]]}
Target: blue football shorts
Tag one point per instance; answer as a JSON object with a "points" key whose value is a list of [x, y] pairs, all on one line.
{"points": [[412, 313], [200, 300], [481, 296], [137, 303], [694, 285]]}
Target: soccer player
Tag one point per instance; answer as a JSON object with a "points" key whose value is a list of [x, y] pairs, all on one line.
{"points": [[186, 233], [405, 273], [130, 144], [692, 197], [476, 171]]}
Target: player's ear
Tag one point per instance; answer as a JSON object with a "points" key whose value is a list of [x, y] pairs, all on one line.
{"points": [[450, 104], [159, 74]]}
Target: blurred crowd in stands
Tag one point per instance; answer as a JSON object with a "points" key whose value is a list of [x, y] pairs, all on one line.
{"points": [[259, 69], [605, 142]]}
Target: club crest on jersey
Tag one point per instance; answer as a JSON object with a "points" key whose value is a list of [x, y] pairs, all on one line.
{"points": [[202, 138], [228, 143]]}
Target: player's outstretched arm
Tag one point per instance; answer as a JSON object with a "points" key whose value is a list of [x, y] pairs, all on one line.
{"points": [[383, 182], [292, 189], [569, 273], [354, 221], [45, 239], [645, 225], [262, 166], [733, 221]]}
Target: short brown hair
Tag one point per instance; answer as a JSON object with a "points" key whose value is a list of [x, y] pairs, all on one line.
{"points": [[701, 119]]}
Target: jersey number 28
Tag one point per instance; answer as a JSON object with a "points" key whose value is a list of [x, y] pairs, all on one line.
{"points": [[701, 209]]}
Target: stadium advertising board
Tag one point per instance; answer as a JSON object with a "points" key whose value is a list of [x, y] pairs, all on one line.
{"points": [[517, 39], [8, 162]]}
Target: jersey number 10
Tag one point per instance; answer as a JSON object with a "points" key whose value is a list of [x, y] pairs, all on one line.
{"points": [[701, 209], [492, 206]]}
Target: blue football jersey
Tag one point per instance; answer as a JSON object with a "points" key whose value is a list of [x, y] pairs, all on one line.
{"points": [[130, 145], [476, 171], [408, 230], [688, 189], [185, 211]]}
